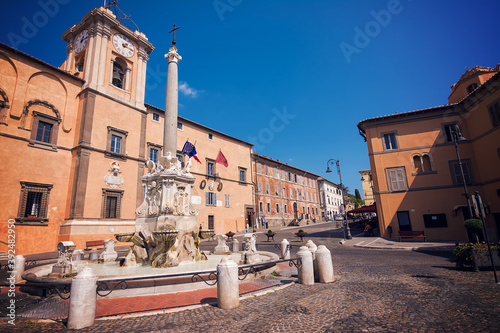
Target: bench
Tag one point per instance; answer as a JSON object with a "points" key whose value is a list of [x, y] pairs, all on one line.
{"points": [[94, 243], [411, 234]]}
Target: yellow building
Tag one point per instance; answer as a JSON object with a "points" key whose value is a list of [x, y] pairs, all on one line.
{"points": [[415, 167], [367, 184], [74, 141]]}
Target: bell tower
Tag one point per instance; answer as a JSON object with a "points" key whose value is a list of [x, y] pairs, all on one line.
{"points": [[109, 56]]}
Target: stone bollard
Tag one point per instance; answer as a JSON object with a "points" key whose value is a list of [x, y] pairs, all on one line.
{"points": [[18, 270], [285, 249], [312, 247], [306, 270], [94, 254], [82, 303], [228, 289], [236, 245], [78, 255], [324, 264]]}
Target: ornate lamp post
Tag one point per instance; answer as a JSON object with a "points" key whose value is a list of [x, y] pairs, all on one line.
{"points": [[347, 231], [458, 137]]}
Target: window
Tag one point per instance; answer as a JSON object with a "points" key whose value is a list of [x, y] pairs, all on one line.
{"points": [[289, 177], [258, 167], [435, 221], [396, 179], [417, 163], [211, 199], [268, 207], [243, 174], [153, 154], [116, 142], [226, 200], [426, 162], [210, 136], [179, 125], [156, 117], [267, 189], [180, 158], [276, 172], [315, 197], [260, 187], [291, 193], [456, 175], [295, 178], [276, 190], [277, 208], [266, 168], [471, 88], [448, 130], [260, 207], [285, 208], [111, 203], [284, 192], [210, 167], [494, 110], [307, 196], [33, 204], [390, 141], [297, 194], [44, 130]]}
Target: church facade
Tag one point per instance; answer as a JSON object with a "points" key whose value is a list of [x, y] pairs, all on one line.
{"points": [[74, 141]]}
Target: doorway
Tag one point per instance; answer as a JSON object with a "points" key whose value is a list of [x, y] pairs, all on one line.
{"points": [[250, 219], [211, 222], [404, 221]]}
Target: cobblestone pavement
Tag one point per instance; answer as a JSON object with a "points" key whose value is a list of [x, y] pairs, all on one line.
{"points": [[375, 291]]}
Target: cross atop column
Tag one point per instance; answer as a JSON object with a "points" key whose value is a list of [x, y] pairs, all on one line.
{"points": [[173, 30]]}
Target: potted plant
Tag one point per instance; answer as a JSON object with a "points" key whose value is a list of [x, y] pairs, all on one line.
{"points": [[230, 234], [270, 234], [474, 226], [301, 233]]}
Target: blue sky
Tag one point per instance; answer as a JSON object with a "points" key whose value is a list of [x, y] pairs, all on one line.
{"points": [[292, 77]]}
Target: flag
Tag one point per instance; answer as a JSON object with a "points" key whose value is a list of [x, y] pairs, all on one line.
{"points": [[190, 151], [221, 159]]}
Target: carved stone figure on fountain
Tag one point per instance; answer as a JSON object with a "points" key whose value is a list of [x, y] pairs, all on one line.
{"points": [[64, 264], [249, 255]]}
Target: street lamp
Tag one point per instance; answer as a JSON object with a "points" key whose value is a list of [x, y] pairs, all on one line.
{"points": [[457, 136], [347, 231]]}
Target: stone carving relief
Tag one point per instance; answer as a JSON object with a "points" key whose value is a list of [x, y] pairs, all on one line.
{"points": [[114, 179]]}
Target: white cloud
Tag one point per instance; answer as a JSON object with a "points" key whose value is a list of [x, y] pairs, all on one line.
{"points": [[188, 91]]}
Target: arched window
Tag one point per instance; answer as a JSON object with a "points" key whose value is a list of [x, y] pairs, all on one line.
{"points": [[118, 75], [471, 88], [417, 163], [426, 161]]}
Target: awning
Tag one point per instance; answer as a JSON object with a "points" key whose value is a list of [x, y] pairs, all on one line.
{"points": [[365, 209]]}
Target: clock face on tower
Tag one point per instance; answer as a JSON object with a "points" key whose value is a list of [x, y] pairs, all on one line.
{"points": [[81, 41], [123, 45]]}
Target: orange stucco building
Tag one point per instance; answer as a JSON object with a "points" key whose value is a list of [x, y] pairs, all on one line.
{"points": [[284, 194], [74, 140], [415, 165]]}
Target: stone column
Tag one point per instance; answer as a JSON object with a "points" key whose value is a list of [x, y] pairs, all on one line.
{"points": [[324, 264], [228, 291], [306, 270], [18, 270], [285, 250], [82, 303], [171, 103]]}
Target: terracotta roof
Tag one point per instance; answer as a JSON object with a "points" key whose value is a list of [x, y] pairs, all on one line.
{"points": [[285, 164], [16, 51]]}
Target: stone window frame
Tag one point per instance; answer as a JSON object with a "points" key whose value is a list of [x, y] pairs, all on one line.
{"points": [[153, 114], [42, 219], [422, 164], [212, 162], [111, 193], [211, 199], [210, 136], [242, 173], [180, 126], [152, 145], [494, 112], [396, 140], [468, 172], [390, 179], [123, 149], [54, 132], [444, 127]]}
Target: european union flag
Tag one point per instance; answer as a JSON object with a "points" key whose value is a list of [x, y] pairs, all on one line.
{"points": [[190, 151]]}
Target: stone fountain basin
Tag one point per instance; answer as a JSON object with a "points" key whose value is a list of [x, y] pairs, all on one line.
{"points": [[147, 281]]}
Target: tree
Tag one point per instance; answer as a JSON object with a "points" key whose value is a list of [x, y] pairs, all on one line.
{"points": [[357, 199], [357, 194]]}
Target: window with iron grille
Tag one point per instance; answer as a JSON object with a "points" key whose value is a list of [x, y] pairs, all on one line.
{"points": [[33, 205]]}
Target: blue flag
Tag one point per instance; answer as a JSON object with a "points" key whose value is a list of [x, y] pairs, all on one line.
{"points": [[190, 151]]}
